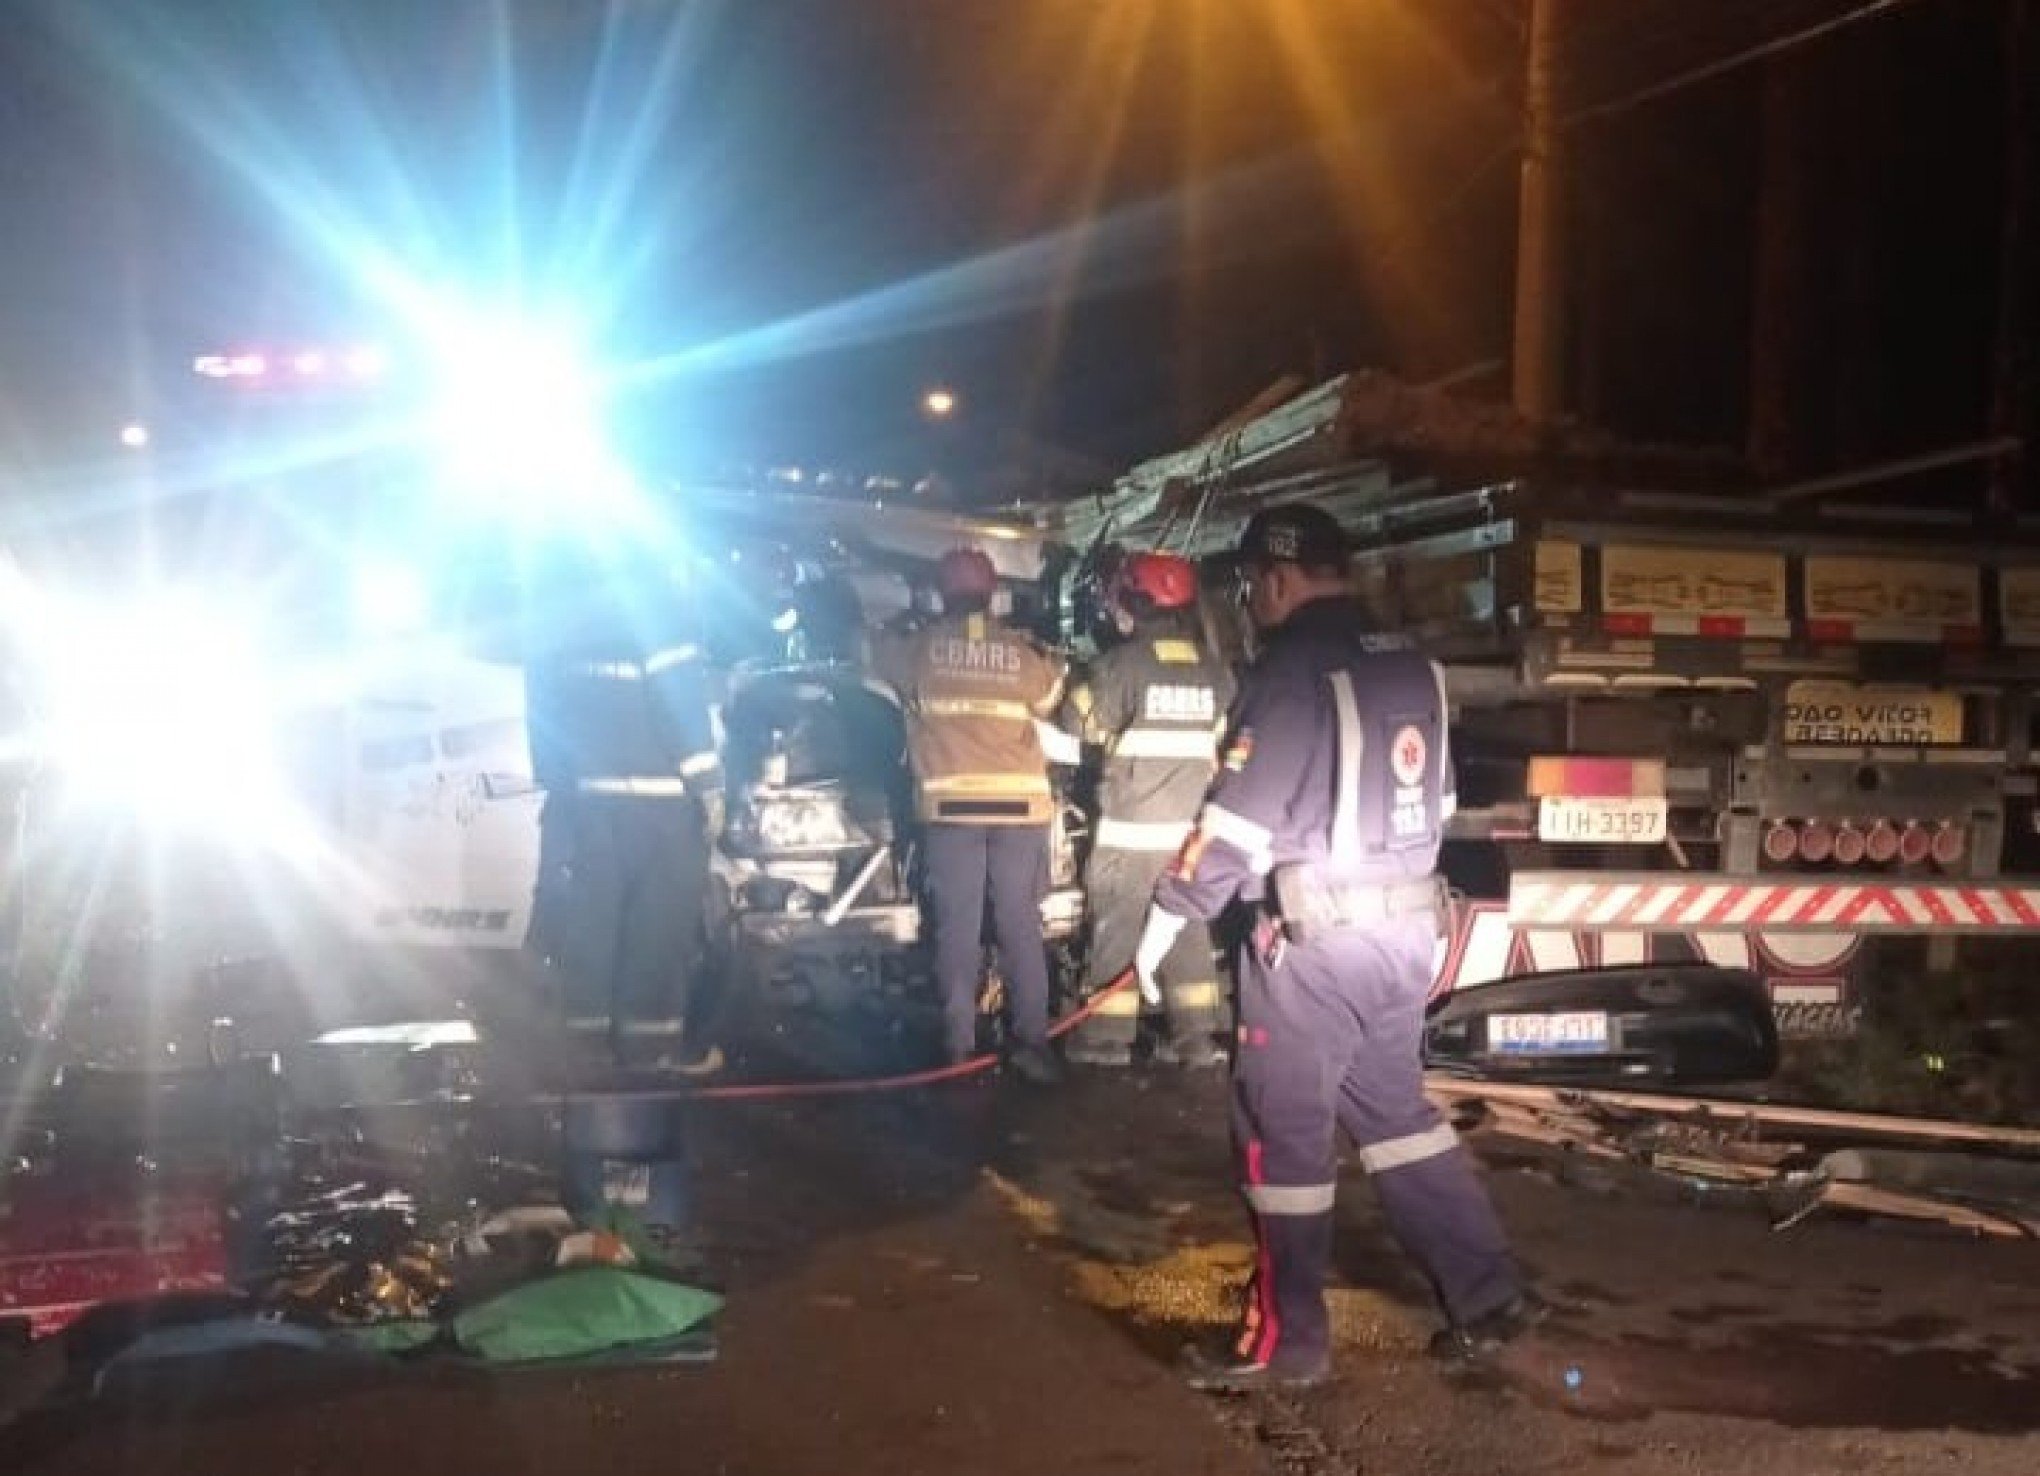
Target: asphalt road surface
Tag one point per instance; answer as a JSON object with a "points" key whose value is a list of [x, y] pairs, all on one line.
{"points": [[985, 1279]]}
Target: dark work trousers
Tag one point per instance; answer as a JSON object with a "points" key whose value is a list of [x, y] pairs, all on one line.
{"points": [[1119, 888], [1011, 862], [633, 922], [1331, 1036]]}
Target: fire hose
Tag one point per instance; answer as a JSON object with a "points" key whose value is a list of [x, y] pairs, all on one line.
{"points": [[931, 1076]]}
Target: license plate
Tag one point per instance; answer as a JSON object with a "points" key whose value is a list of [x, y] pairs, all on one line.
{"points": [[1610, 822], [1579, 1032]]}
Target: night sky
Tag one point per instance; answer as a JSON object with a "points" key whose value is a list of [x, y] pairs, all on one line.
{"points": [[1107, 222]]}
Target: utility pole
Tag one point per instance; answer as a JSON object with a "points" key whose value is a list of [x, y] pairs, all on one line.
{"points": [[2015, 376], [1779, 318], [1540, 320]]}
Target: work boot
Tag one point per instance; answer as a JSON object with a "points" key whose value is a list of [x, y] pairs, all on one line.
{"points": [[1229, 1373], [1037, 1065], [1467, 1343]]}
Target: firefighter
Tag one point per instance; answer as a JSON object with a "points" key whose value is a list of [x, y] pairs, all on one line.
{"points": [[1326, 815], [619, 705], [1155, 705], [973, 691]]}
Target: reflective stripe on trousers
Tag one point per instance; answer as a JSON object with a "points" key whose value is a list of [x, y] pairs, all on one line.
{"points": [[1331, 1037], [641, 786], [1164, 836], [1395, 1153], [1290, 1199]]}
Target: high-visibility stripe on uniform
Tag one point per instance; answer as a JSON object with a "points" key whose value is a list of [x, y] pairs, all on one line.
{"points": [[988, 707], [665, 1026], [991, 785], [615, 671], [697, 764], [1379, 1158], [1166, 743], [1206, 995], [1255, 841], [1121, 1004], [1352, 745], [1177, 653], [1291, 1199], [649, 786], [1448, 780], [658, 661], [1141, 835]]}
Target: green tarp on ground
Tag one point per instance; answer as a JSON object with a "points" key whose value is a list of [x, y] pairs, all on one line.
{"points": [[581, 1314]]}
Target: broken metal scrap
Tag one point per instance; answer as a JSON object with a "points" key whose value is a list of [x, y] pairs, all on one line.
{"points": [[1720, 1148]]}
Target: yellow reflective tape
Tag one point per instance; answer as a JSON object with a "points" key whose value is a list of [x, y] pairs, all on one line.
{"points": [[1121, 1004], [1081, 700], [1205, 996], [974, 627], [1176, 653], [990, 707], [991, 784]]}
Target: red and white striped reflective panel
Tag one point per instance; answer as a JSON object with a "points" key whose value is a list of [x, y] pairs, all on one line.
{"points": [[1714, 627], [1576, 901], [1908, 632]]}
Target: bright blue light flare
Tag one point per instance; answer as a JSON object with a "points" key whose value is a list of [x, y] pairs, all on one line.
{"points": [[520, 421], [391, 599]]}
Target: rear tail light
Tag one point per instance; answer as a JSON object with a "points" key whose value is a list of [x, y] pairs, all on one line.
{"points": [[1816, 841], [1880, 846], [1915, 844], [1850, 846], [1949, 845], [1781, 842]]}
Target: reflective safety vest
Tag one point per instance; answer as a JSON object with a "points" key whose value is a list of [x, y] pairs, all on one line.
{"points": [[1154, 706], [611, 718], [1335, 780], [972, 690]]}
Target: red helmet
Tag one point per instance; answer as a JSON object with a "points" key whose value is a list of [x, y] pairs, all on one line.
{"points": [[1165, 581], [966, 572]]}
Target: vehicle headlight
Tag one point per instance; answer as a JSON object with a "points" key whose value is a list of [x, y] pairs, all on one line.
{"points": [[161, 708], [805, 823]]}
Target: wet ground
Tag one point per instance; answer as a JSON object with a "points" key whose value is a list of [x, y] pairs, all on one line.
{"points": [[980, 1278]]}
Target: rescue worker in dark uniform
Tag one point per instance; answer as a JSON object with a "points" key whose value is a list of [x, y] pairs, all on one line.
{"points": [[973, 691], [622, 738], [1326, 815], [1154, 705]]}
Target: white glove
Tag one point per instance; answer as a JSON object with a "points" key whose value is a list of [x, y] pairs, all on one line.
{"points": [[1156, 939]]}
